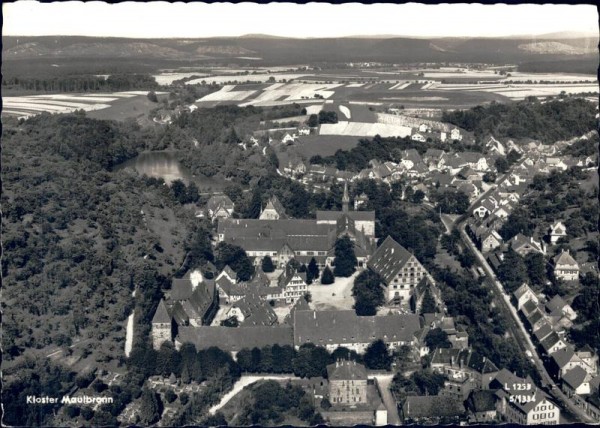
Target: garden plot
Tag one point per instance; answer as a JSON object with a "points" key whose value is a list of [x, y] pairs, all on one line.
{"points": [[400, 86], [361, 129]]}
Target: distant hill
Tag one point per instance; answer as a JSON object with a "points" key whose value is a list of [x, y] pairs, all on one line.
{"points": [[283, 51]]}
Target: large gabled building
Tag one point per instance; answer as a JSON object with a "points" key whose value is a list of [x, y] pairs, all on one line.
{"points": [[399, 269]]}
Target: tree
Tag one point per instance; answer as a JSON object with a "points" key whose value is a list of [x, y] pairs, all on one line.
{"points": [[345, 260], [232, 321], [437, 338], [489, 177], [377, 356], [501, 165], [367, 292], [536, 268], [152, 96], [512, 272], [170, 396], [327, 276], [327, 117], [150, 407], [312, 271], [418, 196], [428, 306], [255, 205], [236, 258], [216, 420], [267, 264], [313, 121]]}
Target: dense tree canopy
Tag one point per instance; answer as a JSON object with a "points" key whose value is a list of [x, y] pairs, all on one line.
{"points": [[368, 293]]}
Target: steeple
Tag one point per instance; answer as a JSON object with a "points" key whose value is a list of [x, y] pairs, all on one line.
{"points": [[345, 198]]}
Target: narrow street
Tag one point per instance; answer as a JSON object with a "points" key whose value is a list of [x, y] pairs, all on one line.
{"points": [[383, 382], [519, 332]]}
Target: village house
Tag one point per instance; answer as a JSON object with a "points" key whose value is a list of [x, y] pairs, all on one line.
{"points": [[289, 138], [218, 206], [433, 158], [558, 306], [475, 371], [400, 271], [557, 231], [455, 135], [523, 294], [295, 169], [303, 130], [424, 128], [360, 200], [334, 328], [576, 381], [488, 239], [418, 137], [495, 146], [481, 406], [485, 207], [552, 343], [565, 266], [524, 245], [531, 408], [293, 284], [566, 359]]}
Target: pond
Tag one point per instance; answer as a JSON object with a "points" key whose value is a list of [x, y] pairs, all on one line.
{"points": [[164, 164]]}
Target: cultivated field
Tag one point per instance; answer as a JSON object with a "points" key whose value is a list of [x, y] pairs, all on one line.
{"points": [[117, 105], [169, 78], [243, 78], [227, 94], [362, 129], [518, 91]]}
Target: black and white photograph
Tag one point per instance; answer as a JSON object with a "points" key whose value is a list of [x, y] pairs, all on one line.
{"points": [[299, 214]]}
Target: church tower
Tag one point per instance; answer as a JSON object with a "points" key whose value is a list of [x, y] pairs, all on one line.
{"points": [[345, 198]]}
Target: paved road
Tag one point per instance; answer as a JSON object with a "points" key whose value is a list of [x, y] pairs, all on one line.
{"points": [[519, 332], [384, 381], [243, 382]]}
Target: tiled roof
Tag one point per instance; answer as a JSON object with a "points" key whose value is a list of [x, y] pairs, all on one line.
{"points": [[563, 356], [331, 327], [482, 401], [256, 311], [543, 332], [354, 215], [564, 259], [231, 339], [388, 259], [524, 288], [161, 316], [346, 370], [575, 377], [557, 303], [551, 340], [219, 201]]}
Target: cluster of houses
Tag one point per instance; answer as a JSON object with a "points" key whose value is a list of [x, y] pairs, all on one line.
{"points": [[548, 321]]}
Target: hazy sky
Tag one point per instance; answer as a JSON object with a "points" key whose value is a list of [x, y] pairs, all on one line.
{"points": [[161, 19]]}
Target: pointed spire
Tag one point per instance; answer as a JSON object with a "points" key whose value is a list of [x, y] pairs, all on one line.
{"points": [[345, 198]]}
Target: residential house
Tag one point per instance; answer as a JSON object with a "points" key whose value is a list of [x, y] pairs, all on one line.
{"points": [[544, 331], [495, 146], [399, 269], [524, 294], [468, 173], [524, 245], [334, 328], [228, 273], [485, 207], [289, 138], [418, 137], [565, 266], [465, 369], [192, 300], [273, 210], [481, 406], [590, 358], [552, 343], [433, 158], [443, 136], [432, 409], [567, 359], [558, 305], [528, 406], [303, 130], [488, 239], [536, 319], [576, 381], [557, 230], [218, 206], [347, 383], [455, 135], [424, 128]]}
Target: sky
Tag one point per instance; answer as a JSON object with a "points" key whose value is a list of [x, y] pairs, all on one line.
{"points": [[163, 20]]}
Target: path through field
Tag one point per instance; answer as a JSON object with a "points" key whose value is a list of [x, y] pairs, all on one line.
{"points": [[129, 335], [244, 382]]}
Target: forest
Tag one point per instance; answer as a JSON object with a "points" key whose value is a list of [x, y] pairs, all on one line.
{"points": [[82, 83], [548, 122]]}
